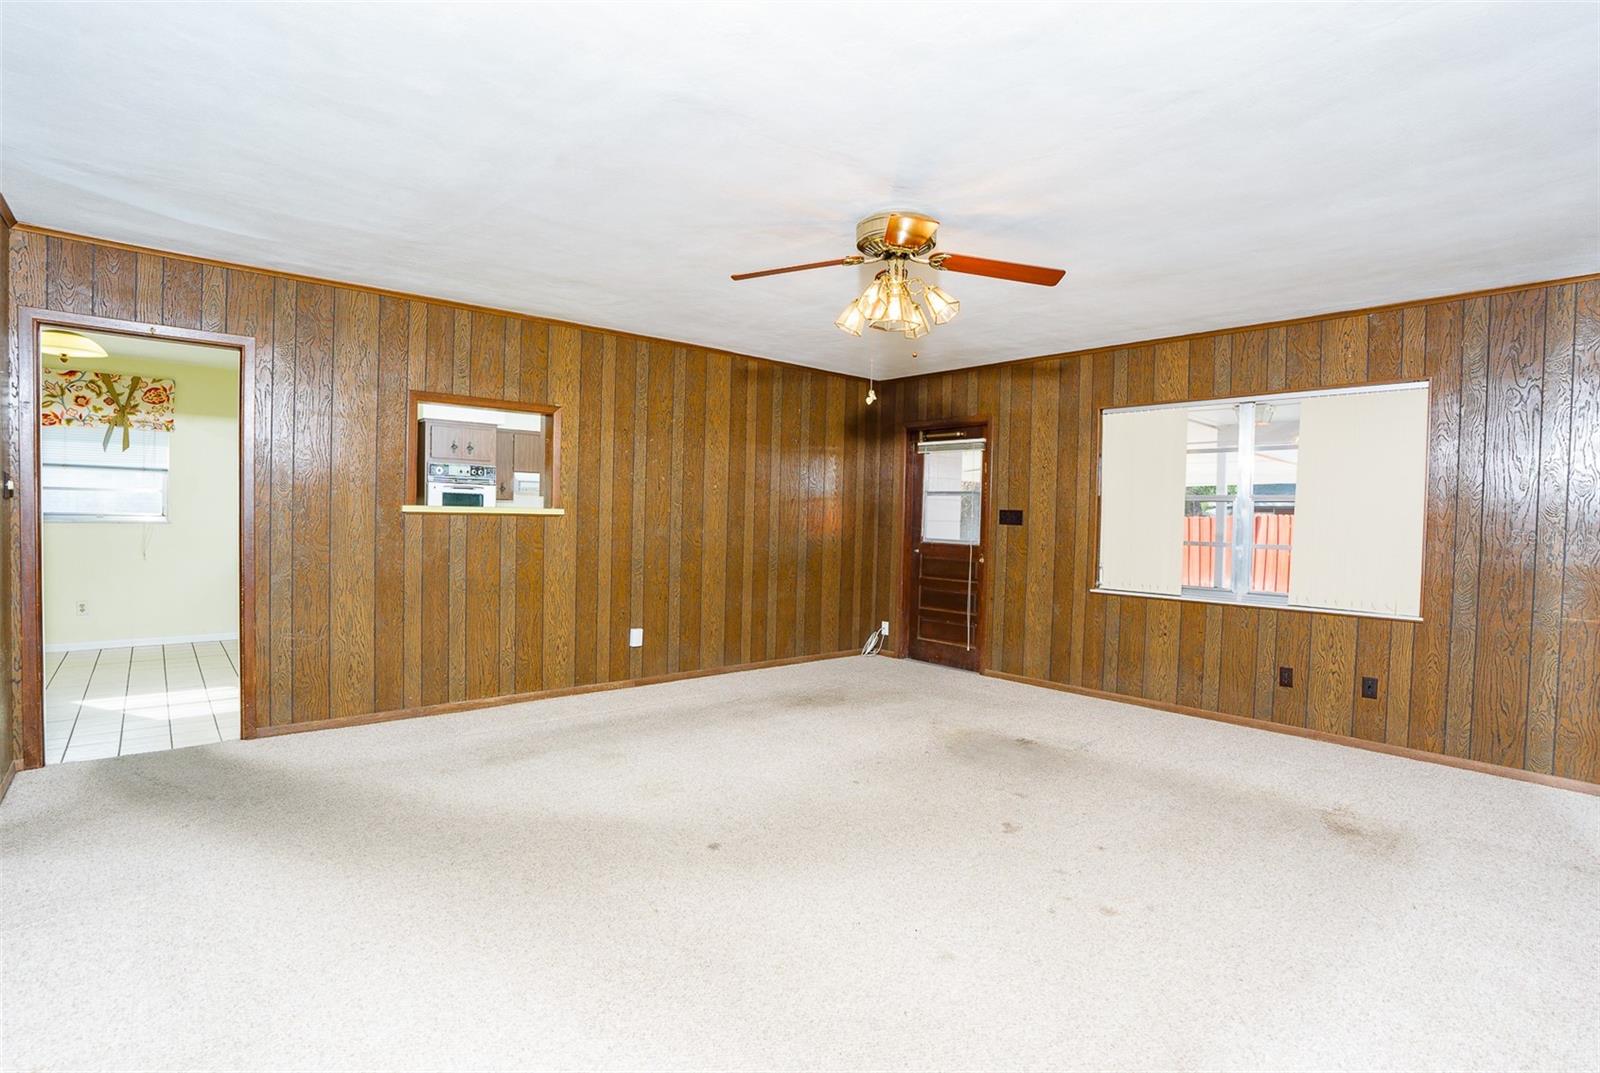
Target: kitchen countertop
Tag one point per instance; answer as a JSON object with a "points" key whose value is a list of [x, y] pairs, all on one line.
{"points": [[419, 508]]}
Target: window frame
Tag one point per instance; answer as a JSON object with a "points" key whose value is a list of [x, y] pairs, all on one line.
{"points": [[1243, 502], [412, 501]]}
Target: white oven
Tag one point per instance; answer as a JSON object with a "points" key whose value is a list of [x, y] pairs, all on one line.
{"points": [[460, 484]]}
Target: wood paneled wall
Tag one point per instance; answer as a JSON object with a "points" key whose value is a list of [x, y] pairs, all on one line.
{"points": [[720, 502], [1505, 666], [10, 732]]}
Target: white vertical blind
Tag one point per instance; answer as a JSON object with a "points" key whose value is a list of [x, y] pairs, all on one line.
{"points": [[1141, 500], [1362, 496]]}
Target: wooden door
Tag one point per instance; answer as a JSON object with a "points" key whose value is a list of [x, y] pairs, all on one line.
{"points": [[947, 491]]}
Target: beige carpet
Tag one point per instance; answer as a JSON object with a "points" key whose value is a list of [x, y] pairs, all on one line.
{"points": [[828, 866]]}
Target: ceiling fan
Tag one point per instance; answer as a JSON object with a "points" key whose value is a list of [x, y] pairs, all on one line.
{"points": [[889, 303]]}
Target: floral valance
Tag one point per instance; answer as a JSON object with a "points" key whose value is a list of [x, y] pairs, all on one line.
{"points": [[115, 400]]}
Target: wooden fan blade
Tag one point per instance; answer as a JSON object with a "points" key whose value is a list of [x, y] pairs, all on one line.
{"points": [[797, 268], [983, 266]]}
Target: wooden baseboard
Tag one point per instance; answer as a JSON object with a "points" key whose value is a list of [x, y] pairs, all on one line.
{"points": [[9, 774], [1557, 781], [520, 698]]}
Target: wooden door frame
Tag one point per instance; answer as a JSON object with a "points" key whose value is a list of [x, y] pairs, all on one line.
{"points": [[30, 633], [904, 619]]}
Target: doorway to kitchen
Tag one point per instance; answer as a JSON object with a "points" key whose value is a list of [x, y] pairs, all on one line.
{"points": [[947, 483], [132, 512]]}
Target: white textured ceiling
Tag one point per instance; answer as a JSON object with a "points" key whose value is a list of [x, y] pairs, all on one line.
{"points": [[1191, 167]]}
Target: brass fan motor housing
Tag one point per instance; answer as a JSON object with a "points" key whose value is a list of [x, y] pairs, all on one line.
{"points": [[896, 234]]}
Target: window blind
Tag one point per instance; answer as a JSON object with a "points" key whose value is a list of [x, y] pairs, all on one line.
{"points": [[1362, 498], [1141, 500]]}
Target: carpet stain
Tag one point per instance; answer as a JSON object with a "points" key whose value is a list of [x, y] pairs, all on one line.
{"points": [[1005, 751], [1009, 828], [1370, 838], [1109, 911], [713, 845]]}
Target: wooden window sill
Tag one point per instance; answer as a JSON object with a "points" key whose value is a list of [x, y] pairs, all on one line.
{"points": [[419, 508]]}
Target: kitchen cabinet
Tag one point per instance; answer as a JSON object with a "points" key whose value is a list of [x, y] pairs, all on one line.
{"points": [[461, 441], [516, 452]]}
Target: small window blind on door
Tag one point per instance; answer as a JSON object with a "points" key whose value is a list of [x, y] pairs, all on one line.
{"points": [[1362, 498], [1141, 500]]}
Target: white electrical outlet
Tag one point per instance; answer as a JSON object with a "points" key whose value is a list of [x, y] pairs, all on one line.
{"points": [[636, 637], [884, 629], [83, 608]]}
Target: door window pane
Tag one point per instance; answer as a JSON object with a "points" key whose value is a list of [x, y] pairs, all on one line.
{"points": [[952, 496]]}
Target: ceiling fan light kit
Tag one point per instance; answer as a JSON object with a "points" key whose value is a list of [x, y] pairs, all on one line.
{"points": [[890, 302]]}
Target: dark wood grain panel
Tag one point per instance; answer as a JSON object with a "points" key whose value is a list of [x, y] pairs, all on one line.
{"points": [[180, 292], [1459, 698], [1511, 484], [149, 283], [1294, 652], [70, 275], [1555, 459], [1247, 365], [1333, 659], [1430, 660], [281, 462], [788, 426], [560, 539], [1303, 356], [1191, 653], [1397, 696], [714, 620], [1578, 717], [116, 280], [1162, 624], [690, 477], [1266, 670], [1344, 351], [585, 497], [313, 456], [214, 297], [354, 476], [1370, 718], [1039, 529], [1236, 687], [1385, 344], [1070, 546]]}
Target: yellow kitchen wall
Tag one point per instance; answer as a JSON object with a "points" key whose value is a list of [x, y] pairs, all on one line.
{"points": [[177, 579]]}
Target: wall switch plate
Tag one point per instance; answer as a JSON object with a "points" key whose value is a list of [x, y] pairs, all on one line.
{"points": [[884, 628], [1286, 677], [83, 608], [636, 637], [1369, 689]]}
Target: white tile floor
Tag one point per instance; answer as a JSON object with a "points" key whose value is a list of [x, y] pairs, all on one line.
{"points": [[114, 701]]}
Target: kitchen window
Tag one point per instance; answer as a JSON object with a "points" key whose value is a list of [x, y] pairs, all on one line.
{"points": [[482, 455], [84, 480]]}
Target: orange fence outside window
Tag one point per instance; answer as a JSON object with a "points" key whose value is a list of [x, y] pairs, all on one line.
{"points": [[1269, 568]]}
